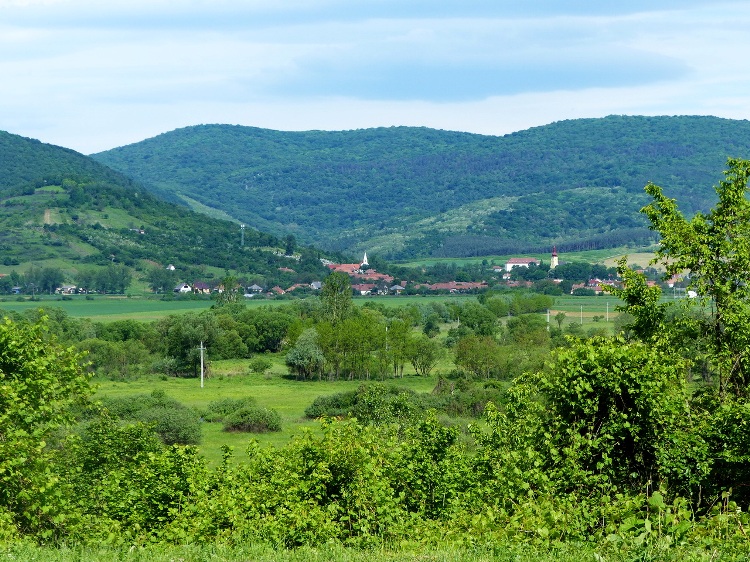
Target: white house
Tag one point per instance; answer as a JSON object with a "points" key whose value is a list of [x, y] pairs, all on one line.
{"points": [[520, 262], [183, 288]]}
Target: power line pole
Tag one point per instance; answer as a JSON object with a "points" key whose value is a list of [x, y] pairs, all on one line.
{"points": [[202, 350]]}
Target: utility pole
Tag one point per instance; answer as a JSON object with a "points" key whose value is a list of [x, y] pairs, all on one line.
{"points": [[242, 238], [202, 350]]}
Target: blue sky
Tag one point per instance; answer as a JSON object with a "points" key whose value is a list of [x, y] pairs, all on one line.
{"points": [[92, 74]]}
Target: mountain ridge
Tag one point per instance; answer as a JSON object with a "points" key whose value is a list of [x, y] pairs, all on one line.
{"points": [[405, 192]]}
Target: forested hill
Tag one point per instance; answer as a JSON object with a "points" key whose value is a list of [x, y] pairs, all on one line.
{"points": [[60, 208], [28, 163], [404, 192]]}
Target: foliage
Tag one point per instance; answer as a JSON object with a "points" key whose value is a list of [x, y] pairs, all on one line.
{"points": [[252, 419], [424, 354], [218, 410], [41, 382], [170, 420], [306, 358], [336, 296], [613, 408], [714, 248]]}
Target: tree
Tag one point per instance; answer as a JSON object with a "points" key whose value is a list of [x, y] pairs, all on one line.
{"points": [[560, 318], [479, 355], [424, 354], [230, 291], [40, 382], [336, 295], [715, 249], [161, 280], [306, 358]]}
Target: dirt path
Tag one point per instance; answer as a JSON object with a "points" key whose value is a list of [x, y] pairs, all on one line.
{"points": [[47, 215]]}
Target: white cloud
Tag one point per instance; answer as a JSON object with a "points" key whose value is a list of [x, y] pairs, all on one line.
{"points": [[92, 75]]}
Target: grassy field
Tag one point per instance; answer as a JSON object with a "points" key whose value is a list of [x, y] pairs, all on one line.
{"points": [[109, 308], [606, 257], [276, 390], [102, 308]]}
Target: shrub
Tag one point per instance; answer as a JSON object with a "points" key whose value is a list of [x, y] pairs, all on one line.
{"points": [[259, 365], [218, 410], [174, 426], [254, 420], [171, 420]]}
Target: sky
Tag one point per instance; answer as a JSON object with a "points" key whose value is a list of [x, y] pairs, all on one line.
{"points": [[96, 74]]}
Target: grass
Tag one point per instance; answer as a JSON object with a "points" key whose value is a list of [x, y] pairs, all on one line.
{"points": [[276, 390], [555, 552], [108, 308], [606, 257]]}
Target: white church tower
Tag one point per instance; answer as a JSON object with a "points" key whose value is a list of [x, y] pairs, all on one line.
{"points": [[553, 262], [364, 260]]}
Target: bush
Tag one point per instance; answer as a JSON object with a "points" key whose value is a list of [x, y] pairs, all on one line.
{"points": [[218, 410], [259, 365], [172, 421], [174, 427], [254, 420]]}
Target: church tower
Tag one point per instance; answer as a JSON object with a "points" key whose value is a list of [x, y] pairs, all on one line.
{"points": [[553, 262], [364, 260]]}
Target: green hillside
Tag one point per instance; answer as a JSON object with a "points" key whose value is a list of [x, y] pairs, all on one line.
{"points": [[60, 209], [412, 192]]}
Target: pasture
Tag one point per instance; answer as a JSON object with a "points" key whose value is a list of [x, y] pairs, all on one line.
{"points": [[275, 390]]}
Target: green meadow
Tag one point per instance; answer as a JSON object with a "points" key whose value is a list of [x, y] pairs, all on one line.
{"points": [[275, 390]]}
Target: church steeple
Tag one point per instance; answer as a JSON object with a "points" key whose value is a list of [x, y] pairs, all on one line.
{"points": [[364, 260], [553, 262]]}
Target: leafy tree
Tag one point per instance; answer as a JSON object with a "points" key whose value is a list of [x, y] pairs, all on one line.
{"points": [[336, 296], [424, 354], [161, 279], [41, 382], [615, 409], [230, 292], [306, 359], [714, 248], [641, 302], [560, 318], [478, 355]]}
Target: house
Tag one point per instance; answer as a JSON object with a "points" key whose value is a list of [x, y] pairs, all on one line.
{"points": [[183, 288], [398, 289], [278, 290], [66, 290], [316, 285], [255, 289], [520, 262], [364, 288], [170, 267], [201, 288]]}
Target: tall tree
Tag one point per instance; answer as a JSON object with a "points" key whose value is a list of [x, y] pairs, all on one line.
{"points": [[715, 249], [336, 295]]}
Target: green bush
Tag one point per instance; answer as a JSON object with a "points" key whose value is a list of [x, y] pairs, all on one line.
{"points": [[254, 420], [171, 420], [218, 410], [174, 426]]}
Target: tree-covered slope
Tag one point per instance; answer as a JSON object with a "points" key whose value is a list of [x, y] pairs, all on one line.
{"points": [[406, 191], [62, 208]]}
